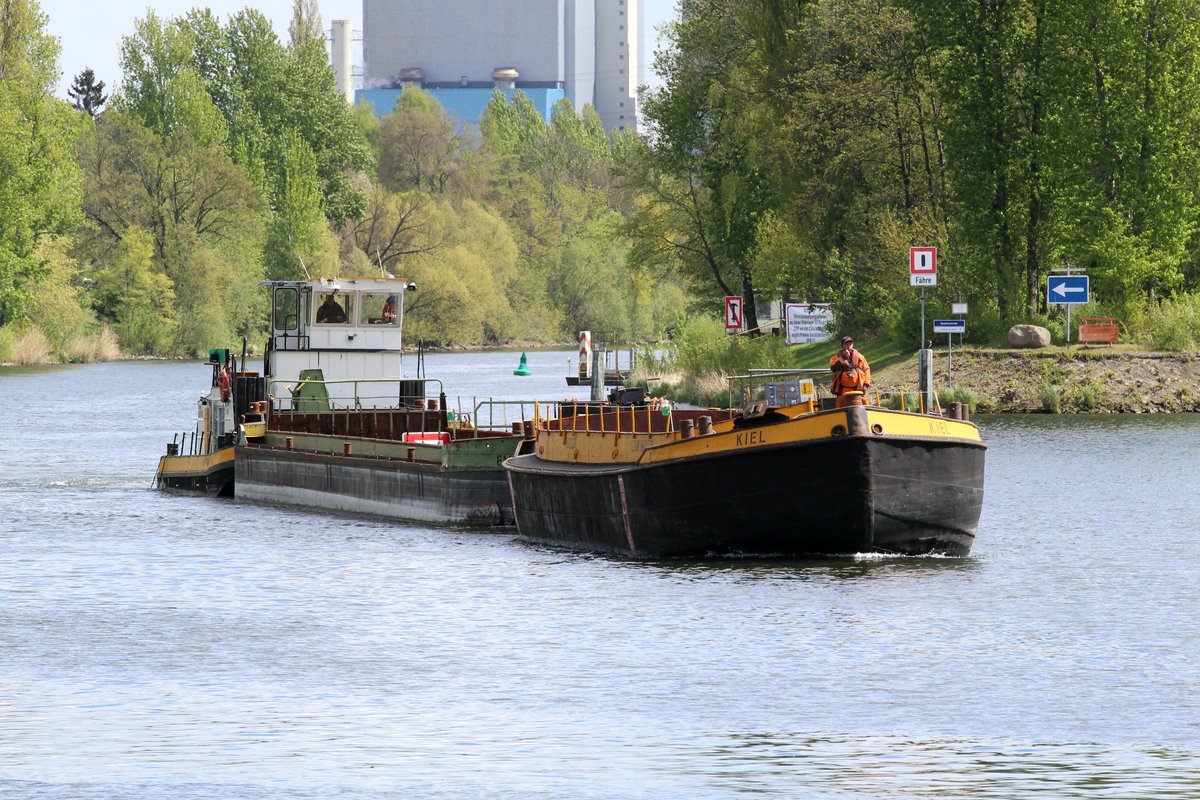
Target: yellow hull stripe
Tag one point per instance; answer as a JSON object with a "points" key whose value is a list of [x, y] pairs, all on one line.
{"points": [[188, 465], [593, 447]]}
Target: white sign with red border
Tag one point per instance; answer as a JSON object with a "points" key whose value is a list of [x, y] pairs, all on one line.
{"points": [[922, 266], [733, 312]]}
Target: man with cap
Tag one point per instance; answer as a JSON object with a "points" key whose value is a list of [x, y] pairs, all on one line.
{"points": [[851, 375]]}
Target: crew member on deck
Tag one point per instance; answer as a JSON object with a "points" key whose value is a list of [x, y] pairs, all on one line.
{"points": [[851, 375], [389, 309], [331, 311]]}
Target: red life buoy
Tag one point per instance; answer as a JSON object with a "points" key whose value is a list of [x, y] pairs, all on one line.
{"points": [[223, 382]]}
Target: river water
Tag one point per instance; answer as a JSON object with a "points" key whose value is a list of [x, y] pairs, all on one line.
{"points": [[165, 646]]}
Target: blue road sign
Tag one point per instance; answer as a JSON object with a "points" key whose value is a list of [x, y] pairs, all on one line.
{"points": [[949, 326], [1067, 289]]}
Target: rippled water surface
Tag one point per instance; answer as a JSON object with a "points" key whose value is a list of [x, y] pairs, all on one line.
{"points": [[165, 646]]}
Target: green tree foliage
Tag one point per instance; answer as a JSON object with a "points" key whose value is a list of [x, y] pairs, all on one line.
{"points": [[418, 146], [39, 183], [162, 87], [462, 295], [305, 26], [273, 90], [136, 296], [202, 217], [807, 145], [86, 93], [553, 184], [707, 193], [297, 235]]}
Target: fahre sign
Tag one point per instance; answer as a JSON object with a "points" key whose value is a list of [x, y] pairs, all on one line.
{"points": [[922, 266], [733, 312], [808, 322]]}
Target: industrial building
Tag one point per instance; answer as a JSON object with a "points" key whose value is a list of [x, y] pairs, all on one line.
{"points": [[589, 51]]}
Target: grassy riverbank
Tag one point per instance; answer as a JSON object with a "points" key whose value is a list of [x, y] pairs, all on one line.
{"points": [[1074, 379], [1122, 379]]}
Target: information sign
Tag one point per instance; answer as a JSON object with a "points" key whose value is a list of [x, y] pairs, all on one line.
{"points": [[808, 322], [958, 308], [1068, 289], [949, 326]]}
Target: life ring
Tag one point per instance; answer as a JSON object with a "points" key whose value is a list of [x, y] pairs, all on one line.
{"points": [[223, 383]]}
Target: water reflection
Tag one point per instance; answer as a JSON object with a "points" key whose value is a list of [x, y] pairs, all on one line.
{"points": [[858, 567], [897, 766]]}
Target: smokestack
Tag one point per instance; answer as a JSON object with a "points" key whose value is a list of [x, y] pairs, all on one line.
{"points": [[341, 56]]}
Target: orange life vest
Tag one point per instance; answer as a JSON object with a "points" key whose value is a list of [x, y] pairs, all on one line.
{"points": [[854, 378]]}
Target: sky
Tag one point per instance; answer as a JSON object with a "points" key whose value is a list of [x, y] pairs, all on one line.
{"points": [[91, 39]]}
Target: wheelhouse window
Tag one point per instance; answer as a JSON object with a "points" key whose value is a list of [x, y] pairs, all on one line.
{"points": [[287, 308], [334, 309], [381, 309]]}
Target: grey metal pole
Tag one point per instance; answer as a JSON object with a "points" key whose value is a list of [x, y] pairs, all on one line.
{"points": [[598, 370], [950, 360], [925, 379], [922, 316]]}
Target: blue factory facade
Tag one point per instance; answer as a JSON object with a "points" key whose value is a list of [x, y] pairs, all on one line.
{"points": [[588, 51], [464, 104]]}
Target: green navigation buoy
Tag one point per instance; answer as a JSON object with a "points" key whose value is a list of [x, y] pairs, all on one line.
{"points": [[523, 369]]}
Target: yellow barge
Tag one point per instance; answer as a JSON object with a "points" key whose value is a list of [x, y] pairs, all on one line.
{"points": [[786, 479]]}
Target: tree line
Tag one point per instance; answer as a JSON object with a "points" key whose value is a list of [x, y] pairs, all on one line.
{"points": [[802, 147], [795, 150]]}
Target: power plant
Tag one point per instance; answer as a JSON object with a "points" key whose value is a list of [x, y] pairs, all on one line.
{"points": [[588, 51]]}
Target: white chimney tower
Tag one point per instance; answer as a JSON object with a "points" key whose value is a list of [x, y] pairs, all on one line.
{"points": [[341, 56]]}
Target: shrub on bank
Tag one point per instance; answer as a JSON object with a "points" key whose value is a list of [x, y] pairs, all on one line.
{"points": [[957, 394], [29, 346], [1174, 324]]}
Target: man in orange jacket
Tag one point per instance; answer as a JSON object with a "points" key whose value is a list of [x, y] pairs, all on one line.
{"points": [[851, 375]]}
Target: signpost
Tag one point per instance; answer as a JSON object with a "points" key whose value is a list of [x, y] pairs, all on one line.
{"points": [[950, 327], [922, 271], [1068, 290], [733, 312]]}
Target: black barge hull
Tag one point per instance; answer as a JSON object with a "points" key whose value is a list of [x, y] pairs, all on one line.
{"points": [[383, 487], [832, 496]]}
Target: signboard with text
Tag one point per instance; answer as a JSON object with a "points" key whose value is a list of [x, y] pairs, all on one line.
{"points": [[949, 326], [922, 266], [808, 322]]}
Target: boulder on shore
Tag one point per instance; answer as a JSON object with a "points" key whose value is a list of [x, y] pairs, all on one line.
{"points": [[1030, 336]]}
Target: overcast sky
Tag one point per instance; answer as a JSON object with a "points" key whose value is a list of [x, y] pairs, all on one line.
{"points": [[91, 38]]}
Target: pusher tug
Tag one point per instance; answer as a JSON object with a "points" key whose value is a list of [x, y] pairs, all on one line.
{"points": [[200, 461]]}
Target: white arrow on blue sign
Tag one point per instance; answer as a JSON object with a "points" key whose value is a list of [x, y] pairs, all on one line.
{"points": [[1068, 289], [949, 326]]}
